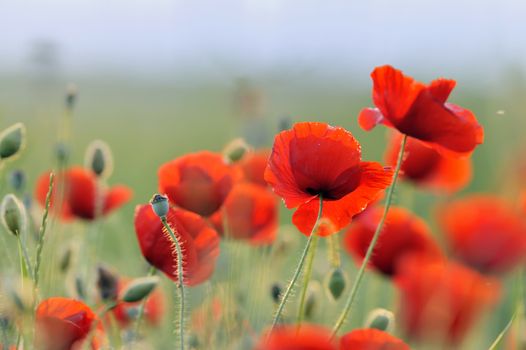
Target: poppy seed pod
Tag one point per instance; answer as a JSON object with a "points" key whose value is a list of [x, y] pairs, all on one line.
{"points": [[380, 319], [235, 150], [335, 283], [139, 289], [12, 140], [160, 205], [98, 158], [13, 214]]}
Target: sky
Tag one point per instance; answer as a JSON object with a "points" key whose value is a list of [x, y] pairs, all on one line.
{"points": [[152, 36]]}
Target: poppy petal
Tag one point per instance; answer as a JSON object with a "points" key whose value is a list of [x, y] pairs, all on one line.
{"points": [[371, 339], [116, 197]]}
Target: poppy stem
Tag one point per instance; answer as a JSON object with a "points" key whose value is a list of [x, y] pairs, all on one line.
{"points": [[374, 240], [297, 273], [180, 285], [306, 280], [140, 315]]}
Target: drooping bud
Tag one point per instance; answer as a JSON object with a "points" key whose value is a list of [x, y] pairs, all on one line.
{"points": [[139, 289], [235, 150], [99, 159], [12, 141], [276, 291], [71, 95], [160, 205], [13, 214], [380, 319], [107, 283], [17, 179], [335, 283]]}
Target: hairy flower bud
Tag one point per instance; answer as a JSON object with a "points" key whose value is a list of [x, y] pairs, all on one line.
{"points": [[13, 214], [380, 319], [335, 283], [12, 141], [99, 159], [139, 289], [235, 150]]}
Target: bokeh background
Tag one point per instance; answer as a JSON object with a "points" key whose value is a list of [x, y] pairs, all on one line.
{"points": [[157, 79]]}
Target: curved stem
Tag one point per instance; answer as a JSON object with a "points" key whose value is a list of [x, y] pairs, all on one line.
{"points": [[297, 273], [374, 240], [180, 277], [306, 279]]}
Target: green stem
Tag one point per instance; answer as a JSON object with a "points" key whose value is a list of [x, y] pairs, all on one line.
{"points": [[140, 315], [297, 273], [41, 237], [374, 240], [180, 277], [24, 259], [306, 279]]}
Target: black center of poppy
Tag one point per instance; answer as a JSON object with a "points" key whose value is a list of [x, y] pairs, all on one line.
{"points": [[326, 194]]}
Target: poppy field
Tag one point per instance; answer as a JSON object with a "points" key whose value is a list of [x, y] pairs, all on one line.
{"points": [[399, 223]]}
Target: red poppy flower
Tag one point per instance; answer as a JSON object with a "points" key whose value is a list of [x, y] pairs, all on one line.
{"points": [[441, 301], [64, 324], [403, 233], [485, 232], [316, 159], [198, 182], [253, 166], [199, 243], [428, 168], [250, 213], [421, 111], [153, 308], [309, 337], [80, 188], [371, 339]]}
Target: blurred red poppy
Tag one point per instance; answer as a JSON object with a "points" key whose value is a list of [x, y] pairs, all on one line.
{"points": [[198, 182], [316, 159], [309, 337], [126, 313], [253, 166], [485, 232], [403, 233], [371, 339], [441, 301], [428, 168], [65, 324], [421, 111], [199, 243], [250, 213], [80, 190]]}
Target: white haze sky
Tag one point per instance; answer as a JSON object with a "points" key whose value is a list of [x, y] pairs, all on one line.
{"points": [[150, 36]]}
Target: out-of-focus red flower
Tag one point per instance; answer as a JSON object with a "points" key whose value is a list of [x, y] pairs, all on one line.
{"points": [[309, 337], [421, 111], [316, 159], [428, 168], [440, 301], [198, 182], [371, 339], [403, 233], [250, 213], [199, 243], [253, 166], [485, 232], [125, 313], [206, 318], [64, 324], [80, 190]]}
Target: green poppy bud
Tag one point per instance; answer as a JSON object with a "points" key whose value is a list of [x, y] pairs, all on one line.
{"points": [[62, 152], [98, 159], [139, 289], [235, 150], [335, 283], [12, 140], [380, 319], [311, 300], [17, 180], [160, 205], [13, 214]]}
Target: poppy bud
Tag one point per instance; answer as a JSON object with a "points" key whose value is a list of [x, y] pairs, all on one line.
{"points": [[284, 123], [139, 289], [335, 283], [12, 140], [107, 283], [80, 288], [380, 319], [13, 214], [71, 95], [65, 260], [276, 291], [98, 159], [17, 179], [235, 150], [160, 205], [62, 152]]}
